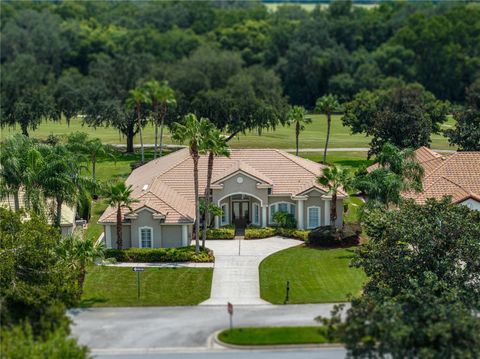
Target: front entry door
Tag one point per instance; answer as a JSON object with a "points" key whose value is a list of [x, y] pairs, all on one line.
{"points": [[240, 213]]}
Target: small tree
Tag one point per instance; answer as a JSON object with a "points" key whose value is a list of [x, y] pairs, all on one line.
{"points": [[327, 104], [335, 178], [284, 220], [138, 98], [119, 196], [296, 117]]}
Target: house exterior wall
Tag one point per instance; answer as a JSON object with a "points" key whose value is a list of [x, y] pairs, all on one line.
{"points": [[472, 204], [111, 236], [248, 187], [171, 236], [278, 199], [145, 219]]}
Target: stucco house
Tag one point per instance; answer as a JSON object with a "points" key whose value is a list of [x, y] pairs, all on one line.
{"points": [[456, 175], [67, 223], [249, 186]]}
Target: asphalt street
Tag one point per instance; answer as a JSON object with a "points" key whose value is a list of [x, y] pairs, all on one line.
{"points": [[131, 330]]}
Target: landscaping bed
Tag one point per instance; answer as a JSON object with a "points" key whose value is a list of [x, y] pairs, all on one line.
{"points": [[258, 233], [149, 255], [315, 275], [220, 233], [275, 336], [117, 287]]}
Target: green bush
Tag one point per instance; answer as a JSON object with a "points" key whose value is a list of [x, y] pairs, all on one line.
{"points": [[221, 233], [285, 220], [333, 237], [183, 254], [293, 233], [257, 233]]}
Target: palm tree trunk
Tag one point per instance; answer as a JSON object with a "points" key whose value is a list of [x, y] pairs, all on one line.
{"points": [[81, 280], [140, 133], [16, 200], [119, 228], [197, 207], [333, 211], [161, 135], [329, 121], [156, 141], [297, 135], [207, 198], [58, 213], [94, 162], [130, 135]]}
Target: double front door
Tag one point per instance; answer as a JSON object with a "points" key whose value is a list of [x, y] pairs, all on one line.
{"points": [[240, 212]]}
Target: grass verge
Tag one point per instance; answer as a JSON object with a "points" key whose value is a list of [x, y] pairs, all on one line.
{"points": [[315, 275], [117, 287], [274, 336]]}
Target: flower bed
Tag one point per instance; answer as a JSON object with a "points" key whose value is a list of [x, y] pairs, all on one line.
{"points": [[221, 233], [258, 233], [183, 254]]}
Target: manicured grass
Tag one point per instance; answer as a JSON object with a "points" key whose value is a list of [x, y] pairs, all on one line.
{"points": [[315, 275], [281, 137], [274, 336], [117, 287], [353, 159], [354, 206]]}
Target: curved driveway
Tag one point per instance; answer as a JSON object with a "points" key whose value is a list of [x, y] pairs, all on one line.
{"points": [[235, 275]]}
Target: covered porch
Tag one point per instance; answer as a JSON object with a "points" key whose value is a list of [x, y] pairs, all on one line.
{"points": [[241, 210]]}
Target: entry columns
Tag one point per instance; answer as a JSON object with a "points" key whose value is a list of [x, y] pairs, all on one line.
{"points": [[264, 215], [300, 221], [217, 222]]}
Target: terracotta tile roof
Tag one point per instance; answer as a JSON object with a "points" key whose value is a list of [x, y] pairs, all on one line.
{"points": [[457, 175], [170, 178], [425, 156]]}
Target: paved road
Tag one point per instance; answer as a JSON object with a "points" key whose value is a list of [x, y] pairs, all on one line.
{"points": [[235, 275], [171, 328], [324, 353]]}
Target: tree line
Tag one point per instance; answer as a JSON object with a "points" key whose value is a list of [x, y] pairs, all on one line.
{"points": [[236, 63]]}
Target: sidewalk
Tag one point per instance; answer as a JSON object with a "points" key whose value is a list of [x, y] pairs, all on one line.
{"points": [[162, 265]]}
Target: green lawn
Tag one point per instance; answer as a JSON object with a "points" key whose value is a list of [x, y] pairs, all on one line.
{"points": [[282, 137], [315, 275], [274, 335], [117, 287]]}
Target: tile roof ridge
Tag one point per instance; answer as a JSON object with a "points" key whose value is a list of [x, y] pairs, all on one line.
{"points": [[293, 158], [444, 162], [178, 163], [429, 150]]}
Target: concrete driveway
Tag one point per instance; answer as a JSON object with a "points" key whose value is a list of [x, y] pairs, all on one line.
{"points": [[235, 275]]}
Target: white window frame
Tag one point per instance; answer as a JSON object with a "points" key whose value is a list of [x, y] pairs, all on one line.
{"points": [[224, 208], [256, 210], [289, 209], [140, 236], [309, 226]]}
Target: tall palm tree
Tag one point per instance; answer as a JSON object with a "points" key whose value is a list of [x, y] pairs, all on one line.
{"points": [[327, 104], [334, 178], [193, 132], [137, 98], [12, 166], [296, 116], [215, 144], [79, 253], [161, 96], [119, 196], [80, 144]]}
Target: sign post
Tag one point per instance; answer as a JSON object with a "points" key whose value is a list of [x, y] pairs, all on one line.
{"points": [[287, 293], [138, 270], [230, 312]]}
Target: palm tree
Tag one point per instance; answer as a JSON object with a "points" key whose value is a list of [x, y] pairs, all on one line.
{"points": [[296, 116], [80, 144], [138, 97], [118, 195], [79, 253], [161, 96], [193, 131], [215, 144], [12, 166], [334, 178], [327, 104]]}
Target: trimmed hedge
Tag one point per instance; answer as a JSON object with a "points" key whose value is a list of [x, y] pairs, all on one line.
{"points": [[221, 233], [333, 237], [142, 255], [258, 233]]}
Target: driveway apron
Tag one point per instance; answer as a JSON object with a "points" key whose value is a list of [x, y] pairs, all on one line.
{"points": [[236, 275]]}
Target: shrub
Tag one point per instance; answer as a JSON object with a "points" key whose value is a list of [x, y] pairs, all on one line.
{"points": [[183, 254], [221, 233], [257, 233], [293, 233], [285, 220], [332, 237]]}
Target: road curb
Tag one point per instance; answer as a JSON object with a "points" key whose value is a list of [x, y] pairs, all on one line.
{"points": [[214, 340]]}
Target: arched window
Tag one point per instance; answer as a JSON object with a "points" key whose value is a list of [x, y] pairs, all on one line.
{"points": [[285, 207], [145, 237]]}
